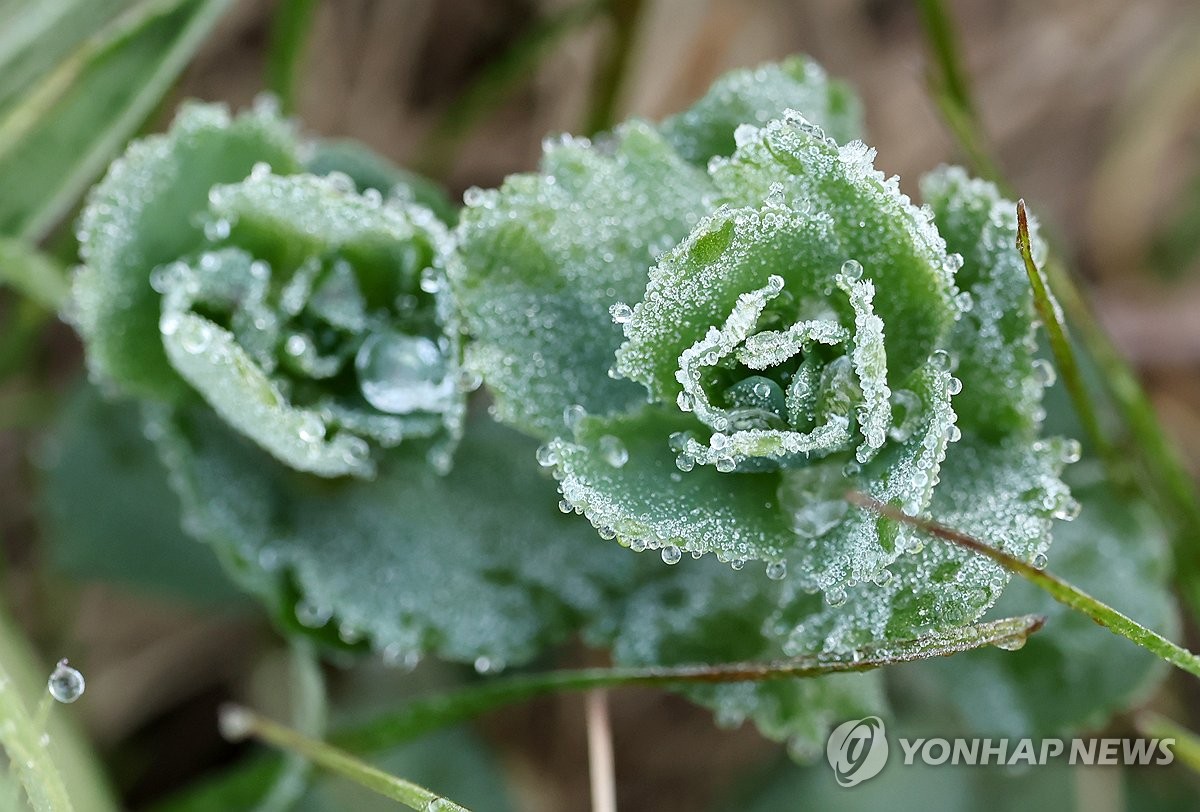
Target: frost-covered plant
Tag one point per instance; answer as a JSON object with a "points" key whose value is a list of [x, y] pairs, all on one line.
{"points": [[717, 326], [294, 341], [305, 314], [789, 327]]}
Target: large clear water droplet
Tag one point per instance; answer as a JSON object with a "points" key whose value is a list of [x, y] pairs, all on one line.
{"points": [[613, 451], [814, 498], [65, 684], [399, 374]]}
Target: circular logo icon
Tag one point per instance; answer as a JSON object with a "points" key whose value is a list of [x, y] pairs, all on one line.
{"points": [[857, 750]]}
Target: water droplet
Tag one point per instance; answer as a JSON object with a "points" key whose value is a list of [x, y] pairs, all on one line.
{"points": [[398, 656], [312, 429], [195, 340], [953, 386], [66, 683], [1039, 561], [1043, 372], [573, 416], [469, 380], [233, 723], [431, 282], [1072, 451], [965, 302], [217, 230], [547, 457], [1068, 510], [296, 345], [621, 313], [725, 464], [399, 374], [613, 451], [906, 414], [1015, 643], [758, 403], [737, 563], [685, 462], [883, 577], [940, 360], [671, 554], [852, 270], [835, 596], [488, 665], [777, 570], [565, 506], [312, 615], [813, 497], [356, 450]]}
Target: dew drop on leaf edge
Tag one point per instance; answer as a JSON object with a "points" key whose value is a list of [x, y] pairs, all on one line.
{"points": [[66, 684]]}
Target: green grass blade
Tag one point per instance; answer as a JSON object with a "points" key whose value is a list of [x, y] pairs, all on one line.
{"points": [[613, 65], [1169, 483], [422, 716], [1051, 314], [238, 723], [1062, 591], [60, 135], [952, 90], [1187, 743], [32, 274], [59, 773], [496, 82], [289, 36]]}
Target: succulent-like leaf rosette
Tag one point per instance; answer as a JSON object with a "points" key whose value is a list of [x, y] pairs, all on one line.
{"points": [[295, 344], [305, 314], [806, 338]]}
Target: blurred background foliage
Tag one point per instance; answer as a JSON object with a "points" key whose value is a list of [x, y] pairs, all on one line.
{"points": [[1092, 108]]}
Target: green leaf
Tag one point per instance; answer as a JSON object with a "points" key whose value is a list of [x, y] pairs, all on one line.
{"points": [[313, 319], [109, 513], [475, 564], [146, 212], [629, 483], [755, 97], [824, 206], [1074, 675], [543, 259], [623, 475], [995, 340], [703, 612], [58, 136], [371, 171], [1007, 494]]}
